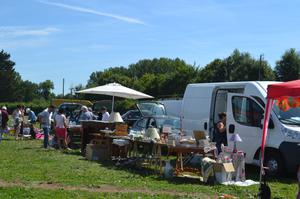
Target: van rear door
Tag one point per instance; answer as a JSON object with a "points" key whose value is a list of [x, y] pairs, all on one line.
{"points": [[244, 116]]}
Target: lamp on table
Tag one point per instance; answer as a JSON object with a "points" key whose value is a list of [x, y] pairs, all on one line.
{"points": [[235, 138]]}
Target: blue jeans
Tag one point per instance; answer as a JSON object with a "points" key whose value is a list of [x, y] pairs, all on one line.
{"points": [[46, 136], [1, 133]]}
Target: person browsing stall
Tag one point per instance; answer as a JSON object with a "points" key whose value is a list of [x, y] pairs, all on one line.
{"points": [[31, 116], [60, 122], [31, 119], [85, 114], [105, 114], [3, 121], [17, 119], [45, 120]]}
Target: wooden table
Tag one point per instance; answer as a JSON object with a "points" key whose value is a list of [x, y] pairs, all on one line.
{"points": [[92, 128], [149, 152], [74, 133], [183, 149]]}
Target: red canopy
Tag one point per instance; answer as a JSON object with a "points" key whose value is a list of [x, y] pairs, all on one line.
{"points": [[282, 92], [291, 88]]}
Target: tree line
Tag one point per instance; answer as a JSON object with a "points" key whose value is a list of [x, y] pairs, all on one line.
{"points": [[14, 89], [159, 77], [165, 77]]}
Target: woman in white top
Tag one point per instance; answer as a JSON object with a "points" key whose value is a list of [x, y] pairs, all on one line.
{"points": [[17, 119], [60, 122]]}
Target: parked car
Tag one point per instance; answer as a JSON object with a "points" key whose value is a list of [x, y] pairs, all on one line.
{"points": [[58, 102], [141, 125], [151, 108], [131, 116], [71, 109], [144, 109]]}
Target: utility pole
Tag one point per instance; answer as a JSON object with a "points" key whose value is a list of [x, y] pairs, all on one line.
{"points": [[63, 93], [71, 90], [261, 56]]}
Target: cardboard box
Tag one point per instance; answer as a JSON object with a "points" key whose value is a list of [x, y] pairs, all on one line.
{"points": [[95, 152], [220, 167], [102, 143], [223, 172]]}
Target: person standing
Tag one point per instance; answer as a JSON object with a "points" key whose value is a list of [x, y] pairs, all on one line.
{"points": [[31, 119], [220, 135], [3, 121], [60, 122], [17, 120], [85, 114], [22, 118], [45, 119], [105, 114]]}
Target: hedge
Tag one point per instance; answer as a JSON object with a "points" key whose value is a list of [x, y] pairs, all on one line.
{"points": [[37, 106]]}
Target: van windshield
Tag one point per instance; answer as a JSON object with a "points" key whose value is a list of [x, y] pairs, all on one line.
{"points": [[292, 116]]}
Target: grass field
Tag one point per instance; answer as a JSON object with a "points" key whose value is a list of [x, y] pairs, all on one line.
{"points": [[28, 171]]}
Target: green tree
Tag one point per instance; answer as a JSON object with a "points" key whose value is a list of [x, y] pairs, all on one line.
{"points": [[110, 75], [45, 89], [288, 68], [29, 91], [237, 67], [9, 79], [157, 77]]}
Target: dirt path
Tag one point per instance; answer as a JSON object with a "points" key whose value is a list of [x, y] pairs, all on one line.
{"points": [[100, 189]]}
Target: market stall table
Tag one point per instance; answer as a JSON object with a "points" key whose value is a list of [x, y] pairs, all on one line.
{"points": [[74, 133], [184, 149], [148, 151], [91, 130]]}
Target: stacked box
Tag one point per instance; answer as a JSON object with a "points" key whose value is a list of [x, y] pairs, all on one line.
{"points": [[97, 152]]}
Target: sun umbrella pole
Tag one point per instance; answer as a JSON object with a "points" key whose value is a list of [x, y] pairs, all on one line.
{"points": [[112, 104]]}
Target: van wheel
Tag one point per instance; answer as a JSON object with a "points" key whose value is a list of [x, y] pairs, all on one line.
{"points": [[274, 163]]}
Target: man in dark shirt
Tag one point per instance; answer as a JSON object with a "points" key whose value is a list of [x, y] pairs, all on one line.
{"points": [[4, 120]]}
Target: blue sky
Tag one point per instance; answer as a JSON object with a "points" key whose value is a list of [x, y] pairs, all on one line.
{"points": [[56, 39]]}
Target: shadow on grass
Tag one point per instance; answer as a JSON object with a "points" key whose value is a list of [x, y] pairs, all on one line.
{"points": [[8, 139], [252, 172], [150, 172], [71, 152], [30, 148]]}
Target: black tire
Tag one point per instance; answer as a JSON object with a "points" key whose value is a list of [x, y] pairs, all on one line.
{"points": [[273, 161]]}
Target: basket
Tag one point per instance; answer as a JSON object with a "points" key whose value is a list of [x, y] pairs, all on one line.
{"points": [[121, 130], [199, 135]]}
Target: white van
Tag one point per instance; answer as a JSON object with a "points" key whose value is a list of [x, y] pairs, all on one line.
{"points": [[172, 106], [244, 104]]}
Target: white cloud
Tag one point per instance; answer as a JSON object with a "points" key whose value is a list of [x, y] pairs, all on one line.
{"points": [[17, 37], [18, 31], [95, 12], [22, 43]]}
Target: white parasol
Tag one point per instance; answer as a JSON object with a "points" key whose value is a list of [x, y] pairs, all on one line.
{"points": [[115, 90]]}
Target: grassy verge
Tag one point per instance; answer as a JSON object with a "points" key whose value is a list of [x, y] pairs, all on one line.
{"points": [[21, 193], [27, 163]]}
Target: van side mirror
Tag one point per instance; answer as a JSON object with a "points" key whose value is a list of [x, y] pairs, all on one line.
{"points": [[205, 125], [271, 124], [231, 128]]}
